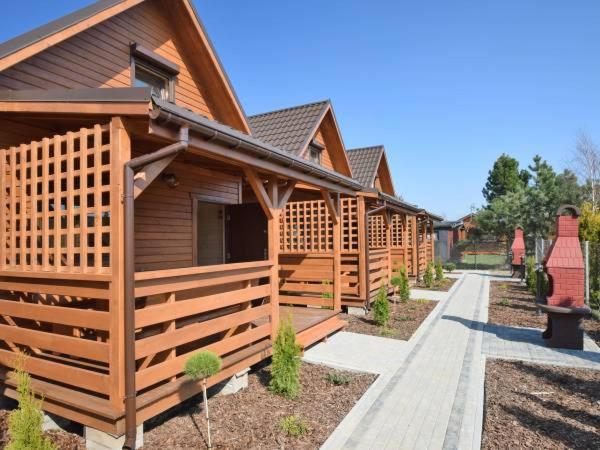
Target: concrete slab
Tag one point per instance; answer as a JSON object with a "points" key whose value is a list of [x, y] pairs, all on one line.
{"points": [[358, 352], [437, 296]]}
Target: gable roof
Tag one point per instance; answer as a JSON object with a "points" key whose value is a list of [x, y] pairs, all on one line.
{"points": [[364, 163], [291, 128], [35, 41], [294, 128]]}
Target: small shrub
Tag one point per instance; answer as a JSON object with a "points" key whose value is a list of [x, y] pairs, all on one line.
{"points": [[293, 426], [387, 332], [596, 314], [285, 371], [381, 307], [449, 267], [439, 270], [337, 379], [421, 301], [404, 290], [595, 300], [428, 275], [202, 365], [326, 295], [25, 422], [505, 302], [530, 274], [404, 319], [504, 286]]}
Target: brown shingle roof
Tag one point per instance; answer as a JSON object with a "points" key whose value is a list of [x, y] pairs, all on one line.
{"points": [[364, 163], [290, 128]]}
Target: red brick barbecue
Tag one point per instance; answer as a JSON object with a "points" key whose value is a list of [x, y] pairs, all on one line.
{"points": [[564, 268], [564, 264], [517, 250]]}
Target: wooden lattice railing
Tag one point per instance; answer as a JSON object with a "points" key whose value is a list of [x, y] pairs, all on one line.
{"points": [[306, 227], [56, 206], [377, 232], [222, 308], [378, 269]]}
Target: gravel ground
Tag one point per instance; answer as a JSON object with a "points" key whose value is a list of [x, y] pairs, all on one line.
{"points": [[511, 304], [62, 439], [405, 319], [250, 419], [541, 407]]}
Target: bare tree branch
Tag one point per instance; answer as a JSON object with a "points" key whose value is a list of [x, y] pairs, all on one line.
{"points": [[586, 164]]}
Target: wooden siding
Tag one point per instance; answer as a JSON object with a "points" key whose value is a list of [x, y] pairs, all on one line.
{"points": [[325, 156], [164, 216], [100, 57]]}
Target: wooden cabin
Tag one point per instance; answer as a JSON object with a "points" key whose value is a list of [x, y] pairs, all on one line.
{"points": [[132, 189], [326, 264]]}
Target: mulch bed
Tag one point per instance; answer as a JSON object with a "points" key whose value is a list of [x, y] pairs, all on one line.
{"points": [[62, 439], [444, 286], [250, 418], [538, 406], [405, 319], [513, 305]]}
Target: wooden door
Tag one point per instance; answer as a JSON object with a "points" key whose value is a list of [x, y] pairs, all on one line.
{"points": [[246, 233], [210, 233]]}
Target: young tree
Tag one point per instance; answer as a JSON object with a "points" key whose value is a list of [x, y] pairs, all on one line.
{"points": [[569, 190], [586, 164], [285, 371], [504, 177], [439, 270], [201, 366], [381, 307], [428, 275], [25, 422], [542, 199]]}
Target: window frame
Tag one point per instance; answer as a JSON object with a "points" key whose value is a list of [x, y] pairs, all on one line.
{"points": [[155, 65], [317, 151]]}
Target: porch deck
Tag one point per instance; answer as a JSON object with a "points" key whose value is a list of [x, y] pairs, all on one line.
{"points": [[311, 324]]}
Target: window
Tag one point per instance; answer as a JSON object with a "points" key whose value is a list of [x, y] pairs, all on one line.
{"points": [[153, 71], [160, 83], [314, 155]]}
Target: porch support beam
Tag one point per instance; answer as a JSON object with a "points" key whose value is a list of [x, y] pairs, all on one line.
{"points": [[387, 214], [259, 191], [333, 206], [362, 250], [148, 174], [415, 246], [287, 193], [274, 229]]}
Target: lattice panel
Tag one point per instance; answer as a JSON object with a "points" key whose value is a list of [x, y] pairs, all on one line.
{"points": [[56, 208], [306, 227], [410, 227], [377, 232], [349, 216], [397, 231]]}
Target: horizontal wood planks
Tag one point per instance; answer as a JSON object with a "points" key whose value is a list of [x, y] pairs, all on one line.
{"points": [[183, 310], [164, 216], [100, 57]]}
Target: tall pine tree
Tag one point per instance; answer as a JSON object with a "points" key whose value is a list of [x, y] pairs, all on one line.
{"points": [[504, 177]]}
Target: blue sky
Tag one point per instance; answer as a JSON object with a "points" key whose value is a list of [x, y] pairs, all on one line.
{"points": [[447, 86]]}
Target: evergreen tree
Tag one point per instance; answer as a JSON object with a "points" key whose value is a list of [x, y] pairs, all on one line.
{"points": [[285, 371], [504, 177]]}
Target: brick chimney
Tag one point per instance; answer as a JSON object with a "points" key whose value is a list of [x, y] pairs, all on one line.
{"points": [[518, 247], [564, 263]]}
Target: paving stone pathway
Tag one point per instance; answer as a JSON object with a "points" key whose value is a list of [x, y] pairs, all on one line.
{"points": [[429, 394]]}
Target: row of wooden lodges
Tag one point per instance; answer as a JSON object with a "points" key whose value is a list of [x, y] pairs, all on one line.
{"points": [[144, 216]]}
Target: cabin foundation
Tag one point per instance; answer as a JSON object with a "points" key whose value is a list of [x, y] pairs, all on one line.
{"points": [[357, 311], [235, 384], [100, 440]]}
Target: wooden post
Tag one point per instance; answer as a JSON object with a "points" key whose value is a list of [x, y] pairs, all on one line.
{"points": [[415, 246], [405, 241], [120, 152], [432, 241], [362, 249], [388, 243], [333, 206], [273, 238], [337, 257]]}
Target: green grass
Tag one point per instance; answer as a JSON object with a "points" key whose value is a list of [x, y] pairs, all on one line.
{"points": [[293, 426], [337, 379], [483, 261]]}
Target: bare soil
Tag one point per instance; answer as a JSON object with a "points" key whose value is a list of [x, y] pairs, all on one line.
{"points": [[443, 286], [62, 439], [513, 305], [405, 319], [250, 419], [540, 407]]}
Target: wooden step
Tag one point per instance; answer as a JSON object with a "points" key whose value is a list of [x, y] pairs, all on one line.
{"points": [[320, 331]]}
